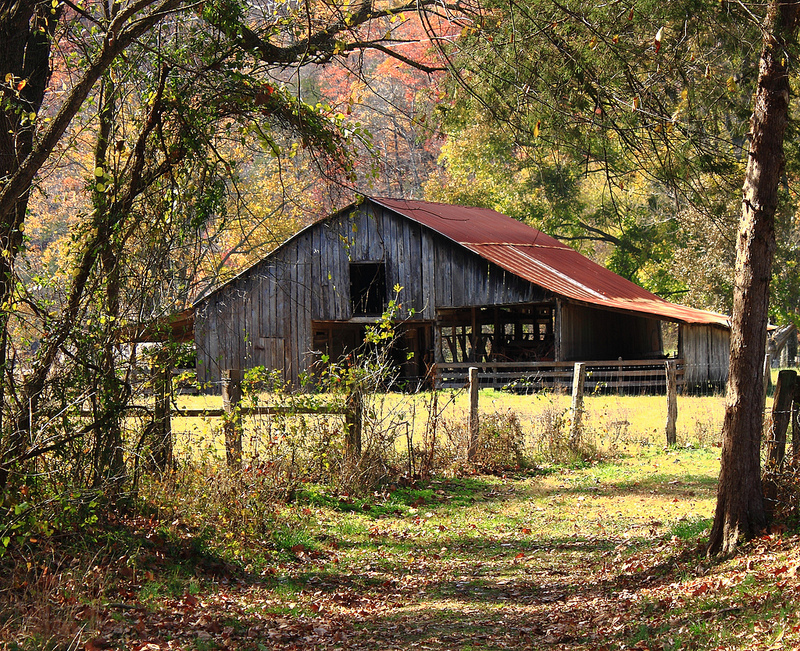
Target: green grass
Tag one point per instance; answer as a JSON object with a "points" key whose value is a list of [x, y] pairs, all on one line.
{"points": [[602, 555], [605, 553]]}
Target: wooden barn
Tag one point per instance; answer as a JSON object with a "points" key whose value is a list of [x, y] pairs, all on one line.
{"points": [[477, 286]]}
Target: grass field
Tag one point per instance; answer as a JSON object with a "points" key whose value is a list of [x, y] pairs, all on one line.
{"points": [[611, 421], [605, 557]]}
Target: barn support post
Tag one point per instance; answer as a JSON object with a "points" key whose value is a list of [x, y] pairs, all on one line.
{"points": [[354, 424], [558, 325], [231, 397], [474, 422], [161, 432], [672, 402], [578, 382], [474, 336]]}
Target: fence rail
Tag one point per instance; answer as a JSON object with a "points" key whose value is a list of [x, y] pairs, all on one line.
{"points": [[610, 374], [219, 412]]}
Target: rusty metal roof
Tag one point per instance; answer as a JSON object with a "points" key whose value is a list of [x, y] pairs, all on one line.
{"points": [[543, 260]]}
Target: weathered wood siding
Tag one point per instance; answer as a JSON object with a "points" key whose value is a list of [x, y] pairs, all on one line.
{"points": [[706, 350], [264, 316], [261, 318], [591, 334]]}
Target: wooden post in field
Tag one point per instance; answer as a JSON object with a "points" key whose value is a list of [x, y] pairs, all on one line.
{"points": [[353, 424], [161, 428], [578, 382], [776, 436], [781, 414], [796, 425], [767, 377], [231, 397], [474, 423], [672, 402]]}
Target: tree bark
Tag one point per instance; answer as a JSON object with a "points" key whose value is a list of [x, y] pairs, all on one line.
{"points": [[740, 509], [26, 32]]}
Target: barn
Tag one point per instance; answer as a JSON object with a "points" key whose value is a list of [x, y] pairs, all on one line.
{"points": [[475, 286]]}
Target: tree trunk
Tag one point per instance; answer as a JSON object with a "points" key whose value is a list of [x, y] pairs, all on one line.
{"points": [[740, 501], [26, 32]]}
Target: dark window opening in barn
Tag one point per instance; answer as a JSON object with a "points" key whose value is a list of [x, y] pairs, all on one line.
{"points": [[368, 288]]}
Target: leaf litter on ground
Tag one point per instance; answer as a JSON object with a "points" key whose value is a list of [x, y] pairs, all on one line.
{"points": [[596, 558]]}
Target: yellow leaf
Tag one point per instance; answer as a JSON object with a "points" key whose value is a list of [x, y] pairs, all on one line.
{"points": [[731, 85], [536, 128]]}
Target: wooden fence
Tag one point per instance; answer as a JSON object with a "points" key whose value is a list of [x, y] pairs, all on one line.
{"points": [[232, 413], [578, 376], [616, 375]]}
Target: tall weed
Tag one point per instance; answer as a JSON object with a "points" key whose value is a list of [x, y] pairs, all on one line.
{"points": [[552, 439]]}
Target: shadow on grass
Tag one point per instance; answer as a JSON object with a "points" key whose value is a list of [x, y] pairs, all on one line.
{"points": [[434, 494], [671, 485]]}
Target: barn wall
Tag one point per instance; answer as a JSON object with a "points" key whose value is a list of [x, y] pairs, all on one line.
{"points": [[432, 271], [705, 350], [591, 334], [261, 318]]}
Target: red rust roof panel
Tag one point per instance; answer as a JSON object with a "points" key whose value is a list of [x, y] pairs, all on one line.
{"points": [[543, 260]]}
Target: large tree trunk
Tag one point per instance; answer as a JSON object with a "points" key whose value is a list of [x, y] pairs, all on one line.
{"points": [[740, 502], [26, 32]]}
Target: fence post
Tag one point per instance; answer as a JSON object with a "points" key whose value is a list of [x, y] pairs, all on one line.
{"points": [[161, 432], [578, 381], [353, 424], [781, 412], [796, 425], [231, 397], [672, 402], [474, 423]]}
